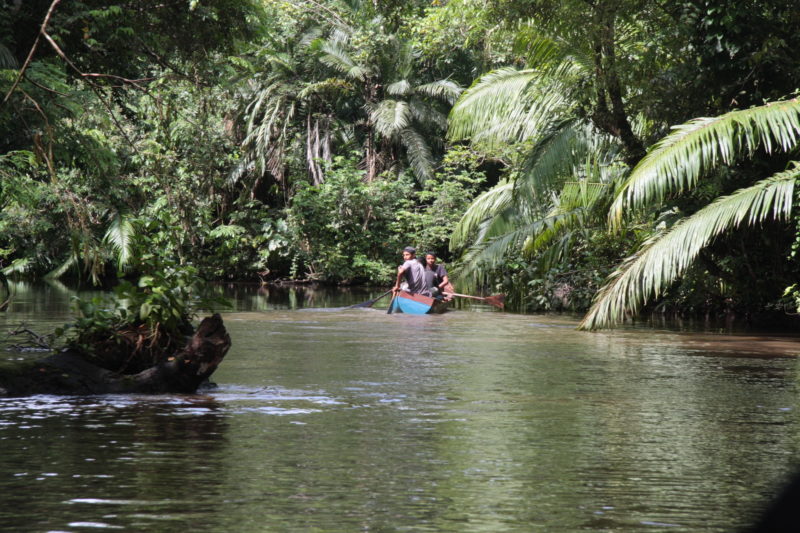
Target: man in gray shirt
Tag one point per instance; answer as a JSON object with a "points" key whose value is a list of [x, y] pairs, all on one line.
{"points": [[412, 272]]}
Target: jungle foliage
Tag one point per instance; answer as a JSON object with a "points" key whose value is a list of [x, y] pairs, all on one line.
{"points": [[575, 155]]}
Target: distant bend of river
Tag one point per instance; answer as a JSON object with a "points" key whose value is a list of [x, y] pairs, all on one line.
{"points": [[333, 419]]}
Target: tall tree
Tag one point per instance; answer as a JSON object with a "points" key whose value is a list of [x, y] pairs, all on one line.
{"points": [[400, 112], [563, 174]]}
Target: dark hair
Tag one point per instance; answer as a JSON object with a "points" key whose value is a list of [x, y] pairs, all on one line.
{"points": [[410, 249], [434, 254]]}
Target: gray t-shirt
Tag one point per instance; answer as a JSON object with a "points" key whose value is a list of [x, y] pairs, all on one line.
{"points": [[414, 273]]}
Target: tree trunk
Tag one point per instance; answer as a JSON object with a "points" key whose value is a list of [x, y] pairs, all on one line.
{"points": [[71, 373], [318, 147], [610, 115]]}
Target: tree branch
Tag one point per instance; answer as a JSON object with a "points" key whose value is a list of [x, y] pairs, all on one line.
{"points": [[92, 85], [42, 31]]}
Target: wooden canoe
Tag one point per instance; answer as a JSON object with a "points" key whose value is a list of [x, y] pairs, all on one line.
{"points": [[417, 304]]}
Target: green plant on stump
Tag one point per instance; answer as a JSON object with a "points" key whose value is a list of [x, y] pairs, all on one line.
{"points": [[140, 324]]}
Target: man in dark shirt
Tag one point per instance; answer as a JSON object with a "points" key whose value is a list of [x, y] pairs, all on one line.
{"points": [[436, 275]]}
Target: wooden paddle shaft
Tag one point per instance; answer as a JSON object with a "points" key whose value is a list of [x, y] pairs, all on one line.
{"points": [[464, 295], [496, 300]]}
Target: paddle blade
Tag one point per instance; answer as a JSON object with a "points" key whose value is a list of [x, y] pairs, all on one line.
{"points": [[497, 300]]}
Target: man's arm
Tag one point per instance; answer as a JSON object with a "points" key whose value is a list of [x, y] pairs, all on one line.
{"points": [[400, 271], [443, 276]]}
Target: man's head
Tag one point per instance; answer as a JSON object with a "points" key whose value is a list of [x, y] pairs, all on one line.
{"points": [[409, 252], [430, 258]]}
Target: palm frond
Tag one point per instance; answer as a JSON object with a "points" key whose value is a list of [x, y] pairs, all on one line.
{"points": [[269, 116], [309, 36], [278, 61], [502, 234], [558, 249], [62, 269], [539, 50], [486, 205], [226, 231], [677, 161], [576, 209], [419, 154], [239, 170], [545, 103], [572, 150], [663, 258], [551, 159], [398, 88], [496, 250], [335, 56], [426, 114], [509, 105], [120, 235], [391, 117], [489, 99], [581, 193], [446, 90], [325, 87], [489, 253], [18, 266], [551, 227]]}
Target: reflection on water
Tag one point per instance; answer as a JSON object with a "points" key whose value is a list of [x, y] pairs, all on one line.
{"points": [[356, 420]]}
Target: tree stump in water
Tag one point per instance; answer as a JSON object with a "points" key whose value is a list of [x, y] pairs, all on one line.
{"points": [[69, 372]]}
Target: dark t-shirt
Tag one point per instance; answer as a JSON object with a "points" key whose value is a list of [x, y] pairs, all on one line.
{"points": [[438, 273]]}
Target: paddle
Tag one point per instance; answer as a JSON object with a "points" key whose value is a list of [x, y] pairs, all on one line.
{"points": [[497, 300], [369, 303], [391, 303]]}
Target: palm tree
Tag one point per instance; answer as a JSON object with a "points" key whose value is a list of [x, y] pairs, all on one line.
{"points": [[561, 178], [399, 110], [557, 200], [675, 165], [287, 96], [355, 85]]}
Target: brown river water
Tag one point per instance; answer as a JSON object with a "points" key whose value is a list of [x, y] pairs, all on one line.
{"points": [[328, 419]]}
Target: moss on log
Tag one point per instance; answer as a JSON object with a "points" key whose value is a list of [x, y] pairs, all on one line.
{"points": [[72, 373]]}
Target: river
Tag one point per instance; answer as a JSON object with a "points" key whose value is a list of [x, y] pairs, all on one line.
{"points": [[329, 419]]}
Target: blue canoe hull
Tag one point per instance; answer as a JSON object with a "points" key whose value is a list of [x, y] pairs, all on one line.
{"points": [[417, 304]]}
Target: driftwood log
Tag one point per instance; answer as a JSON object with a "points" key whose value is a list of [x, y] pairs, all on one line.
{"points": [[71, 373]]}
